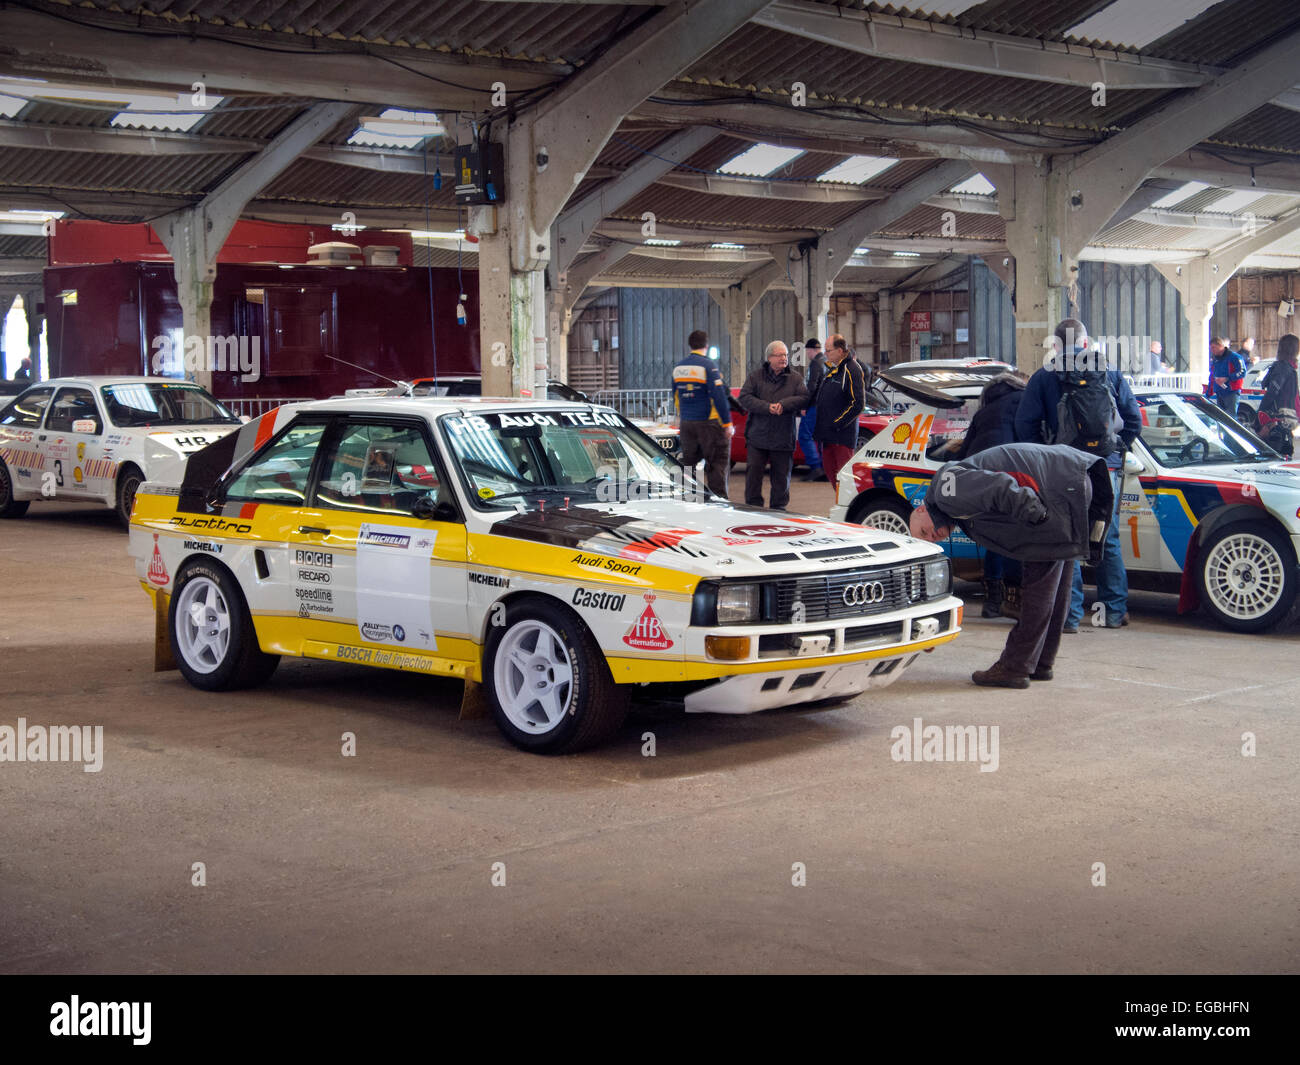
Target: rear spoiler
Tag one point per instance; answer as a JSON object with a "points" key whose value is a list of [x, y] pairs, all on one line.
{"points": [[923, 393]]}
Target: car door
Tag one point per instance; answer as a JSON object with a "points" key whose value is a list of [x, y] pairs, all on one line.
{"points": [[384, 511], [20, 425], [1139, 529], [261, 514], [72, 439]]}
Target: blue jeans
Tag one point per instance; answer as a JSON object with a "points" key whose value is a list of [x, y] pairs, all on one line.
{"points": [[810, 453], [1000, 567], [1112, 578], [1227, 402]]}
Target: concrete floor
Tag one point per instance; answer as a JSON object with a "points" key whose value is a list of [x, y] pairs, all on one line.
{"points": [[616, 862]]}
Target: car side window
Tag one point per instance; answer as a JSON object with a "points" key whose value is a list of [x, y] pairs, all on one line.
{"points": [[377, 468], [26, 410], [70, 406], [279, 473]]}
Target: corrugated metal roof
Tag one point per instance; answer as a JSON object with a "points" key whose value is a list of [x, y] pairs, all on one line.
{"points": [[316, 181], [20, 247], [684, 207], [927, 221], [568, 32], [188, 175], [1134, 234]]}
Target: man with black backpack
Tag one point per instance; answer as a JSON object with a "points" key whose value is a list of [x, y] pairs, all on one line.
{"points": [[1076, 400]]}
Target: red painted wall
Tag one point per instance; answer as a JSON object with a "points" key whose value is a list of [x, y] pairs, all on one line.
{"points": [[382, 317], [84, 241]]}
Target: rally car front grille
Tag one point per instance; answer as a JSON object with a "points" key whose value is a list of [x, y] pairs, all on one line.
{"points": [[851, 593]]}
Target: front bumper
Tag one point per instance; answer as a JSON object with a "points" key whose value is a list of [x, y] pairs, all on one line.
{"points": [[752, 692]]}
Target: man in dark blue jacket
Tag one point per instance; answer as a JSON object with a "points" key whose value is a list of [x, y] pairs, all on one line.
{"points": [[1227, 371], [704, 413], [841, 397], [1036, 423]]}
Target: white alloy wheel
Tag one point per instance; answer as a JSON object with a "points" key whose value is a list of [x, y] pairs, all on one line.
{"points": [[202, 628], [533, 676], [1244, 576], [886, 520]]}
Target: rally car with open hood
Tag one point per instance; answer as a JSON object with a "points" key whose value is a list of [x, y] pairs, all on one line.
{"points": [[97, 439], [549, 552], [1207, 507]]}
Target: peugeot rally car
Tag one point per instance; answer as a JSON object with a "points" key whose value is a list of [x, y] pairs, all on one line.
{"points": [[1207, 506], [548, 551], [79, 439]]}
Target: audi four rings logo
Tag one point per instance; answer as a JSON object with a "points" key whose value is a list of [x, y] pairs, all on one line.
{"points": [[864, 592]]}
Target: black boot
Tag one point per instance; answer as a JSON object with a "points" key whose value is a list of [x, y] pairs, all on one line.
{"points": [[992, 600], [1011, 600]]}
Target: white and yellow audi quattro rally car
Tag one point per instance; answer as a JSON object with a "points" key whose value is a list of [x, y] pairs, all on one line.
{"points": [[96, 439], [548, 551], [1207, 509]]}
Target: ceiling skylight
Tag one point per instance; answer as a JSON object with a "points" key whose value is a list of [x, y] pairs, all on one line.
{"points": [[135, 109], [975, 185], [1137, 22], [1180, 194], [857, 169], [395, 128], [1234, 201], [760, 160]]}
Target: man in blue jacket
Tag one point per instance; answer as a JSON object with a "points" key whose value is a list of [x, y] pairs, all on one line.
{"points": [[1036, 423], [1227, 371], [704, 413]]}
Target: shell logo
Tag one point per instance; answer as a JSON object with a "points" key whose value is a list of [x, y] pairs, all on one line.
{"points": [[916, 434]]}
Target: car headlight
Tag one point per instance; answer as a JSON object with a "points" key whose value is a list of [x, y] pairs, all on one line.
{"points": [[737, 602], [938, 578]]}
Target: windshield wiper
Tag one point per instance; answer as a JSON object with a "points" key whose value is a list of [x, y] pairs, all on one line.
{"points": [[553, 489]]}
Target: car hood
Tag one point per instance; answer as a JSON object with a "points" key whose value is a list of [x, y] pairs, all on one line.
{"points": [[1273, 474], [710, 539], [167, 450]]}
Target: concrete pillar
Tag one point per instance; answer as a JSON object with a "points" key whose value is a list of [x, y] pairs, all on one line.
{"points": [[813, 284], [559, 321], [1041, 268], [495, 330], [1198, 283], [195, 268], [886, 328], [35, 324], [736, 311]]}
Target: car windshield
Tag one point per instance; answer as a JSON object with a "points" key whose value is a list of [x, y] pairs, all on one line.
{"points": [[151, 403], [529, 457], [1187, 431]]}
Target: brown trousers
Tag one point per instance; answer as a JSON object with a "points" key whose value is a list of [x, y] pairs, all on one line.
{"points": [[1044, 601], [708, 441]]}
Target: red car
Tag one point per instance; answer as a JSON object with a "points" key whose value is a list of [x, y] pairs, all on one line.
{"points": [[875, 416]]}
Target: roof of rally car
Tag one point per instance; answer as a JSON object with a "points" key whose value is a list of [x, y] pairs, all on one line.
{"points": [[435, 405], [97, 380]]}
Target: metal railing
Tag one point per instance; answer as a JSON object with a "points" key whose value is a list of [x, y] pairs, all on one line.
{"points": [[653, 403], [1177, 382], [256, 407]]}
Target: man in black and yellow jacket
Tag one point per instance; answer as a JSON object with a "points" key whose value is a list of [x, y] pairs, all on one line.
{"points": [[703, 413], [840, 400]]}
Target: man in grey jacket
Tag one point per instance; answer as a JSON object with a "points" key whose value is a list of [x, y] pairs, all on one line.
{"points": [[1041, 503], [771, 396]]}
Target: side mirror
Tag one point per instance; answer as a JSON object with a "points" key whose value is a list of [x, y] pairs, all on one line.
{"points": [[427, 510], [1133, 464]]}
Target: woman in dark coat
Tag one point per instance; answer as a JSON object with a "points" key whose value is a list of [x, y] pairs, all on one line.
{"points": [[995, 424], [1277, 410]]}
